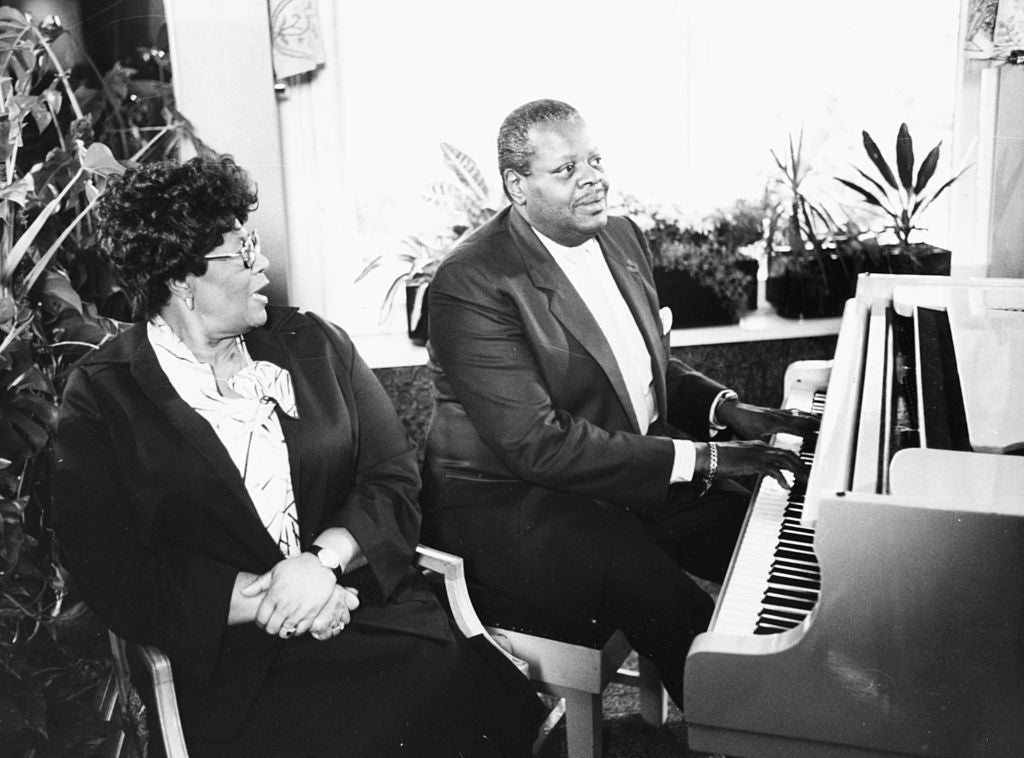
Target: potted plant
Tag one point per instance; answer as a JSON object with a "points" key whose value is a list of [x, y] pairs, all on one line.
{"points": [[52, 650], [812, 267], [902, 198], [699, 270], [468, 200]]}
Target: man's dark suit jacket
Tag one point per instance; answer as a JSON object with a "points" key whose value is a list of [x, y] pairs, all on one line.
{"points": [[155, 520], [533, 433]]}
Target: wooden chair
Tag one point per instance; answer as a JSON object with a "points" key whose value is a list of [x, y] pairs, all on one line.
{"points": [[578, 674]]}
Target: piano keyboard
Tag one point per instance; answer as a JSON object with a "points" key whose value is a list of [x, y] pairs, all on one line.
{"points": [[774, 580]]}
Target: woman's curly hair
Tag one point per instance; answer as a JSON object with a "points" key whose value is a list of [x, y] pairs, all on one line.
{"points": [[159, 220]]}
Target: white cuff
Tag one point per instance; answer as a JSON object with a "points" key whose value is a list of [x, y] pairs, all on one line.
{"points": [[684, 462], [719, 399]]}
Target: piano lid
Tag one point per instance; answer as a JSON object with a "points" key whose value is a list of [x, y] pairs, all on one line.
{"points": [[987, 325]]}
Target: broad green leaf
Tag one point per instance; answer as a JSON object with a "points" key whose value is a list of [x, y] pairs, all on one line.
{"points": [[29, 235], [41, 113], [876, 157], [18, 191], [927, 170], [57, 294], [13, 16], [100, 160], [905, 158], [28, 413]]}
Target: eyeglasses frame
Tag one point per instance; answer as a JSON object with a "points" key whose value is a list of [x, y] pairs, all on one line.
{"points": [[248, 252]]}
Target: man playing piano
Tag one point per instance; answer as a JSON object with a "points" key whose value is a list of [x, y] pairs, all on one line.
{"points": [[578, 468]]}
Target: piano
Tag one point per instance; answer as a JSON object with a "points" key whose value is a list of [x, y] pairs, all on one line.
{"points": [[879, 611]]}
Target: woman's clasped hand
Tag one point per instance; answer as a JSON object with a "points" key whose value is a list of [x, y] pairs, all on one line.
{"points": [[298, 596]]}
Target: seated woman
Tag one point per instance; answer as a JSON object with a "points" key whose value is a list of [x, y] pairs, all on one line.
{"points": [[233, 486]]}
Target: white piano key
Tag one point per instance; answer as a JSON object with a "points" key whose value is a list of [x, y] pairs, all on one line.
{"points": [[743, 596]]}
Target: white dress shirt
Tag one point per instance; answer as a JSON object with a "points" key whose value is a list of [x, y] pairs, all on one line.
{"points": [[587, 271]]}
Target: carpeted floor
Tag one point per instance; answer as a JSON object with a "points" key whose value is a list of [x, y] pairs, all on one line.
{"points": [[626, 735]]}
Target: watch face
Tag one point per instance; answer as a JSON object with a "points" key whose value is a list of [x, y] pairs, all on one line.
{"points": [[328, 558]]}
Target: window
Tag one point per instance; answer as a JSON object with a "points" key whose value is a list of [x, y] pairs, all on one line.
{"points": [[687, 98]]}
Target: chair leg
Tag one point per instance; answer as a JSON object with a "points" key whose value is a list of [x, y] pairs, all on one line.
{"points": [[653, 698], [583, 724]]}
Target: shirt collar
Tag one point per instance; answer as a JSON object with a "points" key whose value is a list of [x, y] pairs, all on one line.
{"points": [[578, 254]]}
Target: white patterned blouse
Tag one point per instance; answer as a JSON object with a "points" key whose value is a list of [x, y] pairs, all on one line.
{"points": [[247, 426]]}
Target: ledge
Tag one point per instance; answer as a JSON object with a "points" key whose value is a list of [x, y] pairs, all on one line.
{"points": [[763, 325]]}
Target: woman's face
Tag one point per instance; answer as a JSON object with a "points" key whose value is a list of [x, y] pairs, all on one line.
{"points": [[227, 298]]}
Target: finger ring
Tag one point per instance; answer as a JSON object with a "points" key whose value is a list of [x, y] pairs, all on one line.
{"points": [[337, 627], [287, 631]]}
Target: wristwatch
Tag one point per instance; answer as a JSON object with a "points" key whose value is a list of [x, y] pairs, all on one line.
{"points": [[328, 559]]}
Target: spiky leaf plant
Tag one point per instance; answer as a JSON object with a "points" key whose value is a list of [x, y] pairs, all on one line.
{"points": [[901, 196]]}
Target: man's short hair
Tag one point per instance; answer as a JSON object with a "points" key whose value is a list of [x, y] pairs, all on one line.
{"points": [[514, 150]]}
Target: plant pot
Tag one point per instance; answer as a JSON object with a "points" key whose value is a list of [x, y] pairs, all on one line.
{"points": [[692, 303], [916, 258], [749, 266], [806, 285], [416, 313]]}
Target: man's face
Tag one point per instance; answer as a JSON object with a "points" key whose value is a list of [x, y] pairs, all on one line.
{"points": [[564, 195]]}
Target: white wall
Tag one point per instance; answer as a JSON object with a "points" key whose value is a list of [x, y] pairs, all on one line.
{"points": [[224, 84]]}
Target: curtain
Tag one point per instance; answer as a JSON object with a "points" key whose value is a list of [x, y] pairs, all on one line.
{"points": [[995, 30]]}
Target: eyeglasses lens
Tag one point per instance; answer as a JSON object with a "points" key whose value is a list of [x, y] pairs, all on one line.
{"points": [[250, 248]]}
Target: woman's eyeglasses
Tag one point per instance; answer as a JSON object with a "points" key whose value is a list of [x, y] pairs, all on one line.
{"points": [[248, 252]]}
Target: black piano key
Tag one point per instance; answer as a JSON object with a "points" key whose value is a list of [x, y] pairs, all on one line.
{"points": [[792, 555], [773, 598], [781, 615], [794, 536], [807, 565], [812, 581], [778, 590], [792, 581], [774, 614]]}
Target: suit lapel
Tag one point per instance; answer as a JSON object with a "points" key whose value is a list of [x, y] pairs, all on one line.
{"points": [[568, 307], [198, 434]]}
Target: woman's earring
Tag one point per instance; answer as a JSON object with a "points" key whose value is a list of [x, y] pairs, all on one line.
{"points": [[190, 303]]}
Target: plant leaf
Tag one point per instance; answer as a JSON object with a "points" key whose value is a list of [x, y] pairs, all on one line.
{"points": [[466, 170], [28, 406], [876, 157], [905, 158], [100, 160], [17, 192], [882, 193], [866, 194], [927, 169], [29, 235], [940, 190]]}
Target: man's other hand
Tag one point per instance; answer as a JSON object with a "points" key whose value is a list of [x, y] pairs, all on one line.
{"points": [[753, 422]]}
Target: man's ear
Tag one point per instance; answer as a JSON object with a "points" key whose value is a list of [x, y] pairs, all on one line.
{"points": [[513, 185]]}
